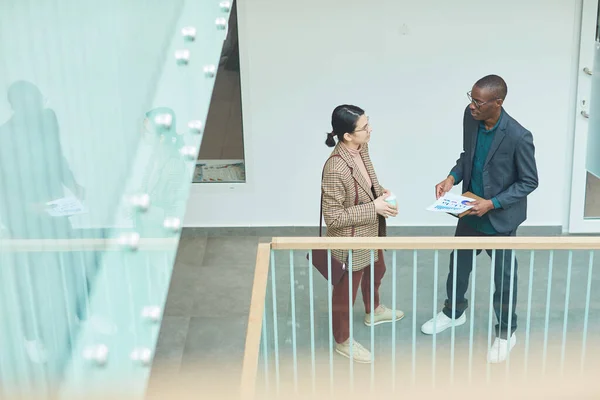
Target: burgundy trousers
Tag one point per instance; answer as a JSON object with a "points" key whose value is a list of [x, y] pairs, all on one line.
{"points": [[340, 299]]}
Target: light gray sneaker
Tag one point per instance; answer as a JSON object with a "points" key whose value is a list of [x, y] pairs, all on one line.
{"points": [[382, 315], [359, 353]]}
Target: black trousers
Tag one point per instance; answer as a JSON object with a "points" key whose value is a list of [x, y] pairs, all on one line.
{"points": [[502, 281]]}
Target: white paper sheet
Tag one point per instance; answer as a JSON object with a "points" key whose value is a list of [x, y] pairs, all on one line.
{"points": [[65, 207], [451, 203]]}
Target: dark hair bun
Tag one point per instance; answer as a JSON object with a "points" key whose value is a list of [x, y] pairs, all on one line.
{"points": [[330, 142]]}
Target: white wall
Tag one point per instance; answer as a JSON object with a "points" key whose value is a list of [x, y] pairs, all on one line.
{"points": [[409, 64]]}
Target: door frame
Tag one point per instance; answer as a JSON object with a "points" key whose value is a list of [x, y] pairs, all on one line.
{"points": [[577, 222]]}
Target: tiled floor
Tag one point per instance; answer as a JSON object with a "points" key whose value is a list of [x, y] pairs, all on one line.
{"points": [[205, 321], [206, 314], [592, 197]]}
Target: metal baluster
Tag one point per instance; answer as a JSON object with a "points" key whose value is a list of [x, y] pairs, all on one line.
{"points": [[566, 317], [491, 311], [414, 321], [528, 326], [471, 329], [453, 329], [436, 259], [293, 301], [394, 321], [587, 310], [311, 294], [330, 308], [265, 349], [548, 296], [275, 329], [372, 300], [511, 289], [350, 323]]}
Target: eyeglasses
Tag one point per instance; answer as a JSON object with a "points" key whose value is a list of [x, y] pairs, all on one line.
{"points": [[478, 103], [364, 128]]}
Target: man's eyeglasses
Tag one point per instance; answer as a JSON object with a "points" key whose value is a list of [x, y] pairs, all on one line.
{"points": [[477, 102]]}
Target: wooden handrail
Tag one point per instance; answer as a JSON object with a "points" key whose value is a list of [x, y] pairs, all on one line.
{"points": [[439, 243], [61, 245], [255, 321]]}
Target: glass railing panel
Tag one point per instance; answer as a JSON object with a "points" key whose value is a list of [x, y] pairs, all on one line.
{"points": [[100, 124]]}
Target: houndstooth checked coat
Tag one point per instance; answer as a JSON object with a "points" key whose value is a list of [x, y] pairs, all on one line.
{"points": [[340, 213]]}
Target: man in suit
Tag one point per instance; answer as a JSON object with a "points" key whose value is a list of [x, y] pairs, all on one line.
{"points": [[497, 164]]}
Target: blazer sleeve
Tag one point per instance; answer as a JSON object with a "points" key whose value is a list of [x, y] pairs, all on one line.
{"points": [[334, 195], [527, 174], [458, 170]]}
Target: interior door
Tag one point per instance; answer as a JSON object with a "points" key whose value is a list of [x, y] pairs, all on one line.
{"points": [[585, 190]]}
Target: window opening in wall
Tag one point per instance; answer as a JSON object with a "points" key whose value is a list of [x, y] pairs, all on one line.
{"points": [[221, 158], [592, 187], [598, 24]]}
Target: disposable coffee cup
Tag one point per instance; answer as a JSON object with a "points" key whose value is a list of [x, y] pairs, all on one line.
{"points": [[391, 200]]}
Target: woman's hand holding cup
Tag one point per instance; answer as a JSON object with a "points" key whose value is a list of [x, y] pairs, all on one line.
{"points": [[386, 205]]}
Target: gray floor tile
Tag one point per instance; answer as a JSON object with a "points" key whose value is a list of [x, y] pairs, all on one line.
{"points": [[231, 251], [171, 343], [191, 250], [182, 291], [592, 197], [214, 342], [223, 291]]}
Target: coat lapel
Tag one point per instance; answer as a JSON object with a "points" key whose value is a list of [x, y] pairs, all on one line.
{"points": [[356, 174], [372, 190], [474, 133], [499, 136]]}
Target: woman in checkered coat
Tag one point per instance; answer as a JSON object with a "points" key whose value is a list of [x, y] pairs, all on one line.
{"points": [[354, 205]]}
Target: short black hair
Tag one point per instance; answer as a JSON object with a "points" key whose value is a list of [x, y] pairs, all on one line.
{"points": [[495, 84]]}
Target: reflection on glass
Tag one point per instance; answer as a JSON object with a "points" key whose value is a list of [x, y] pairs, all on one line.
{"points": [[33, 168], [592, 194], [221, 158], [38, 284]]}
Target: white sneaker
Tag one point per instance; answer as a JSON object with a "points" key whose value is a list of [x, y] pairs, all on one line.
{"points": [[500, 349], [442, 322]]}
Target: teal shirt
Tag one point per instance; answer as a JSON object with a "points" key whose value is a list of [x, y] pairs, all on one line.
{"points": [[484, 141]]}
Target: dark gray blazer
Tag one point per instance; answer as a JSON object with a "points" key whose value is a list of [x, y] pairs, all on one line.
{"points": [[509, 173]]}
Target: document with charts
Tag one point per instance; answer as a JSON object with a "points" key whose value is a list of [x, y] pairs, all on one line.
{"points": [[451, 203]]}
